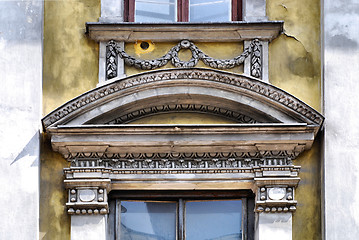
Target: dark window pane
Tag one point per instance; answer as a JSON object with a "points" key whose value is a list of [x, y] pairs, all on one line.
{"points": [[155, 11], [148, 220], [209, 10], [214, 220]]}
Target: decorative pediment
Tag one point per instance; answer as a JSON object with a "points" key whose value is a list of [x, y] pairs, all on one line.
{"points": [[270, 128], [238, 97]]}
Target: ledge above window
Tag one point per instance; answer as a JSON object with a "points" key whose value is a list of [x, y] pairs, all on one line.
{"points": [[169, 32]]}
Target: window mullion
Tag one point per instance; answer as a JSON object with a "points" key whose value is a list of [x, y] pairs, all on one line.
{"points": [[181, 227], [129, 10], [244, 219], [182, 10], [117, 219], [237, 10]]}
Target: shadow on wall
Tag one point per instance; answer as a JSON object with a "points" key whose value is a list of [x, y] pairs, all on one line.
{"points": [[31, 149]]}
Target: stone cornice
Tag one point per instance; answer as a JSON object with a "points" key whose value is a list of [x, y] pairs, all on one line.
{"points": [[169, 32], [118, 139]]}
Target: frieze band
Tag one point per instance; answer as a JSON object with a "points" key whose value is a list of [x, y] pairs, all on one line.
{"points": [[179, 163], [238, 117], [264, 157], [254, 50]]}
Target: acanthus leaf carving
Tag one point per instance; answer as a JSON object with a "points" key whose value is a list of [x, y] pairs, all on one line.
{"points": [[256, 59], [111, 62]]}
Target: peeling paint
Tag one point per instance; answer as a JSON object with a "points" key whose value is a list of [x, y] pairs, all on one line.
{"points": [[294, 65]]}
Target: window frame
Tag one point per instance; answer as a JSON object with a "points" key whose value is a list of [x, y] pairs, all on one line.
{"points": [[183, 10], [181, 196]]}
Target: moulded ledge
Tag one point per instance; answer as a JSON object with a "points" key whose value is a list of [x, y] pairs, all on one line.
{"points": [[178, 139], [200, 32]]}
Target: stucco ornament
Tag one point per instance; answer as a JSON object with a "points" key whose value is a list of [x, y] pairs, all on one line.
{"points": [[107, 155], [253, 51]]}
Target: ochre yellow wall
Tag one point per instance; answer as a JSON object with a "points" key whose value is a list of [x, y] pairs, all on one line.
{"points": [[294, 66], [183, 118], [54, 220], [71, 68], [70, 58], [294, 57]]}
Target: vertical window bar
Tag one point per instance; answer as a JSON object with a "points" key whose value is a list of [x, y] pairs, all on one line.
{"points": [[118, 219], [112, 220], [236, 10], [129, 10], [250, 218], [244, 219], [181, 230], [182, 10]]}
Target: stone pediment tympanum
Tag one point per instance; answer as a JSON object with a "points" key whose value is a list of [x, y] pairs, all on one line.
{"points": [[98, 134]]}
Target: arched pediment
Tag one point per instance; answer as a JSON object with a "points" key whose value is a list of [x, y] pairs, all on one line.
{"points": [[240, 98], [270, 129]]}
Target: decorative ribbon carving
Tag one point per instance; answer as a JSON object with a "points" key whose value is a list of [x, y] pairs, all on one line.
{"points": [[253, 50]]}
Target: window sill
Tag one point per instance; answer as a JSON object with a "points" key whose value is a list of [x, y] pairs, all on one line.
{"points": [[169, 32]]}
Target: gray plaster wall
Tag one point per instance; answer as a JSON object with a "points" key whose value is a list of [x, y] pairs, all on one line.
{"points": [[20, 112], [341, 132]]}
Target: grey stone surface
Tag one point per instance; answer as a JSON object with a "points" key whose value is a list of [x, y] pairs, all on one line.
{"points": [[254, 10], [341, 135], [20, 105], [197, 32], [271, 226], [111, 11], [88, 227]]}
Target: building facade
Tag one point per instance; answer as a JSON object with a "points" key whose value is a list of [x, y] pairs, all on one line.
{"points": [[111, 113]]}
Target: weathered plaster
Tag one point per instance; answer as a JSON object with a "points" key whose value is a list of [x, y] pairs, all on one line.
{"points": [[307, 218], [341, 141], [71, 59], [54, 220], [70, 68], [20, 107], [294, 58], [294, 65]]}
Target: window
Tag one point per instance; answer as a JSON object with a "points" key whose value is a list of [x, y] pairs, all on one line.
{"points": [[217, 215], [183, 10]]}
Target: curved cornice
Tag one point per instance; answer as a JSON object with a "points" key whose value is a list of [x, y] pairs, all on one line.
{"points": [[247, 92]]}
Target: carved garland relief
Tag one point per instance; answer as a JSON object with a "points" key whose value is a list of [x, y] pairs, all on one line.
{"points": [[254, 50]]}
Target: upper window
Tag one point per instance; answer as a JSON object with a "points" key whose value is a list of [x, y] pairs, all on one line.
{"points": [[183, 10]]}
